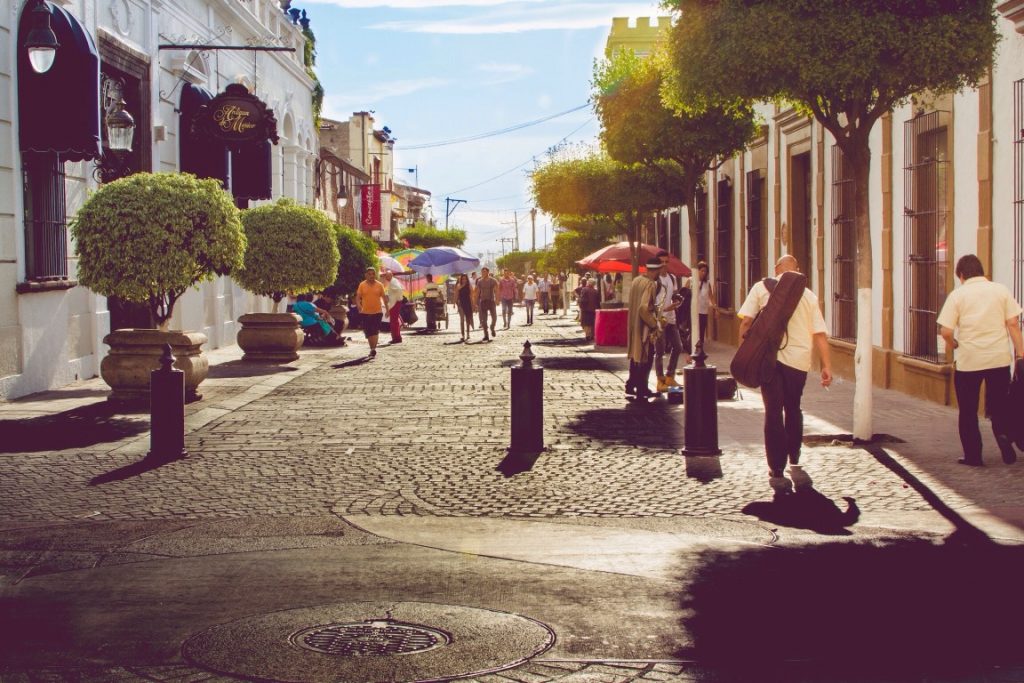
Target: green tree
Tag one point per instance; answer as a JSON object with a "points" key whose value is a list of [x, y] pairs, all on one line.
{"points": [[424, 236], [291, 248], [638, 125], [150, 237], [358, 252], [845, 62], [578, 238], [519, 262], [595, 186]]}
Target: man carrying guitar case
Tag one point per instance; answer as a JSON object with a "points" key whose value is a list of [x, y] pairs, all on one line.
{"points": [[779, 326]]}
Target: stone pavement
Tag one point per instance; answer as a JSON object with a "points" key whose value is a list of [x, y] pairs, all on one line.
{"points": [[338, 480]]}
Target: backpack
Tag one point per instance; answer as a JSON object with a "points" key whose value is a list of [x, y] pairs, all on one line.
{"points": [[754, 361]]}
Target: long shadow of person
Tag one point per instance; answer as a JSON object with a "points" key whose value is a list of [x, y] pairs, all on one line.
{"points": [[807, 509]]}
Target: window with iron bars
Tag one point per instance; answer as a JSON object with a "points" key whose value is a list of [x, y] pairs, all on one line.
{"points": [[925, 178], [723, 245], [701, 204], [1018, 191], [46, 245], [757, 188], [844, 249]]}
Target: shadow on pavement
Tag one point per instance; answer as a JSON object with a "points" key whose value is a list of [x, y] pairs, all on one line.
{"points": [[517, 463], [703, 468], [562, 342], [807, 509], [78, 428], [352, 363], [903, 610], [47, 396], [237, 368], [653, 425], [128, 471]]}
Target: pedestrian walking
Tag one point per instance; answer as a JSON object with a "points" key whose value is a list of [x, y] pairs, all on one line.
{"points": [[396, 295], [555, 292], [529, 297], [544, 288], [782, 391], [371, 300], [486, 294], [980, 322], [705, 301], [642, 331], [669, 298], [589, 301], [464, 302], [507, 290]]}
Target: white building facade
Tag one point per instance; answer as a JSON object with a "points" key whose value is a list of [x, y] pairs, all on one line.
{"points": [[51, 329]]}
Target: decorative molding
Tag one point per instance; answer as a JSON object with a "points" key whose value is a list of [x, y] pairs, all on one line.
{"points": [[122, 16], [1014, 11], [789, 121], [32, 287]]}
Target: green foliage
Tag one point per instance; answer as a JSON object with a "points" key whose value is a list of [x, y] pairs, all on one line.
{"points": [[638, 126], [291, 248], [424, 236], [578, 238], [358, 252], [148, 237], [520, 262], [846, 61], [309, 61]]}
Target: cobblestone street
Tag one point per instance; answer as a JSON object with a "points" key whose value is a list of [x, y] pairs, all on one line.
{"points": [[345, 479]]}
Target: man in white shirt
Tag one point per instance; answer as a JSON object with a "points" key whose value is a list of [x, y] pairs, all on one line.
{"points": [[781, 394], [670, 339], [983, 316], [544, 287], [395, 293], [433, 299]]}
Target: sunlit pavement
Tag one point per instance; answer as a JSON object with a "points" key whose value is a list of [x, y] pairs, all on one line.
{"points": [[337, 491]]}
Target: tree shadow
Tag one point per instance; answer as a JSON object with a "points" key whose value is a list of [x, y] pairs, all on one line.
{"points": [[650, 425], [807, 509], [78, 428], [856, 611]]}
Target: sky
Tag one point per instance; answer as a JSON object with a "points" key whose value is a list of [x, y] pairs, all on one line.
{"points": [[434, 71]]}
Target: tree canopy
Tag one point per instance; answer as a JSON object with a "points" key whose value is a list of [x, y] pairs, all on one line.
{"points": [[357, 252], [423, 236], [578, 237], [519, 262], [148, 237]]}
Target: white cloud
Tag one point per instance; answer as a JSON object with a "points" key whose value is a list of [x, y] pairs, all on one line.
{"points": [[504, 73], [517, 18], [341, 105]]}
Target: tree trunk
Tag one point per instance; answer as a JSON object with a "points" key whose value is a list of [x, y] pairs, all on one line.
{"points": [[860, 158], [277, 304], [165, 325], [634, 239]]}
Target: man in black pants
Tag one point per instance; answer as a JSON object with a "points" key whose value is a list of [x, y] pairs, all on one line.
{"points": [[783, 419]]}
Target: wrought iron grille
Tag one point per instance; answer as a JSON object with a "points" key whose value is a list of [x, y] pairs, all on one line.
{"points": [[46, 242], [723, 244], [1018, 191], [844, 249], [756, 190], [702, 225], [925, 182]]}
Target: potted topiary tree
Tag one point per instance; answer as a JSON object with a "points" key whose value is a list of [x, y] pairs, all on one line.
{"points": [[148, 238], [290, 248]]}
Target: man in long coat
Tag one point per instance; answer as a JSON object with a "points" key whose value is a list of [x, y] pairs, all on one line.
{"points": [[643, 323]]}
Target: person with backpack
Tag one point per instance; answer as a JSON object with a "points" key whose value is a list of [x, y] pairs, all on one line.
{"points": [[782, 388], [669, 298]]}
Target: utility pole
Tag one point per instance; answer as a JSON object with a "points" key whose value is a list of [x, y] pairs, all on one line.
{"points": [[515, 246], [503, 240], [449, 209], [533, 222]]}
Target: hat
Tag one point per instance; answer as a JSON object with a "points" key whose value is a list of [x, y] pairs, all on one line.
{"points": [[654, 264]]}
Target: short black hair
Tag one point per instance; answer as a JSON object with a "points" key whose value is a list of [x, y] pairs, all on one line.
{"points": [[702, 264], [661, 253], [969, 266]]}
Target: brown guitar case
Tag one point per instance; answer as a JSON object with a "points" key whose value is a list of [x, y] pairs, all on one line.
{"points": [[755, 358]]}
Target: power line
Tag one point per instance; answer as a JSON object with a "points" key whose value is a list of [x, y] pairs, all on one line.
{"points": [[494, 133]]}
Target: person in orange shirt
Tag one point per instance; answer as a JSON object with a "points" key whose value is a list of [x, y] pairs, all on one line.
{"points": [[371, 299]]}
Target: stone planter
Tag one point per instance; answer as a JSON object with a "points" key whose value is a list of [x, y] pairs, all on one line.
{"points": [[270, 337], [136, 353]]}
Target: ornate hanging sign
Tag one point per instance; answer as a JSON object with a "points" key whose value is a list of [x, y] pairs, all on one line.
{"points": [[236, 117]]}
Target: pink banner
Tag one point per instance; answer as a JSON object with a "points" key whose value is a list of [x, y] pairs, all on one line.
{"points": [[371, 208]]}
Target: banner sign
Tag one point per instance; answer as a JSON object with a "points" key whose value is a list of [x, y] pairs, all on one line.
{"points": [[370, 206], [236, 117]]}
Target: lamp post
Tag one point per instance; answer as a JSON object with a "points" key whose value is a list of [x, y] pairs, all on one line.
{"points": [[41, 42], [120, 127], [416, 171]]}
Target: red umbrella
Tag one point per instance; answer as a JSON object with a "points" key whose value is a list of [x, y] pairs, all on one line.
{"points": [[616, 258]]}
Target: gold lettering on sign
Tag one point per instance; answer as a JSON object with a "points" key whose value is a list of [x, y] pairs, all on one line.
{"points": [[232, 118]]}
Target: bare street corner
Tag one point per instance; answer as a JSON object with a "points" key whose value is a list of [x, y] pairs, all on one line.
{"points": [[338, 504]]}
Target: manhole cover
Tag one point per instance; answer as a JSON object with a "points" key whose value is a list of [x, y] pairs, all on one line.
{"points": [[371, 639]]}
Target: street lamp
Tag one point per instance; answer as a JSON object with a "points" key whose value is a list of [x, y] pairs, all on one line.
{"points": [[342, 198], [41, 42], [120, 128]]}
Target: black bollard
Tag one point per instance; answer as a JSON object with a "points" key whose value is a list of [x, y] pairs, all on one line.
{"points": [[167, 410], [527, 405], [701, 398]]}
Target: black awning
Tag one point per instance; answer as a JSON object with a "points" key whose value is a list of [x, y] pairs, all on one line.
{"points": [[59, 111], [251, 171], [199, 157]]}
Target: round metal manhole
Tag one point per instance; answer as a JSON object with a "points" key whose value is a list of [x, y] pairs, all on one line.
{"points": [[371, 639]]}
